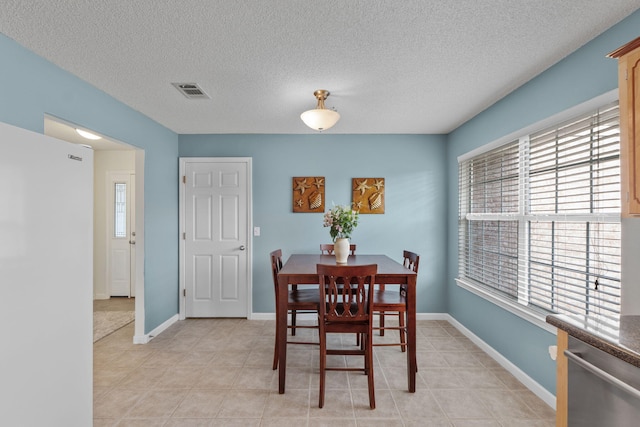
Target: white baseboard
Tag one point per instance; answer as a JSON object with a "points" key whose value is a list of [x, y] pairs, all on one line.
{"points": [[144, 339], [525, 379], [271, 316]]}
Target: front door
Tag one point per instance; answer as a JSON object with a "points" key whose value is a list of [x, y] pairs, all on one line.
{"points": [[122, 235], [216, 238]]}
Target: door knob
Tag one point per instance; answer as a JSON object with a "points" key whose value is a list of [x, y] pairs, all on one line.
{"points": [[242, 247], [132, 242]]}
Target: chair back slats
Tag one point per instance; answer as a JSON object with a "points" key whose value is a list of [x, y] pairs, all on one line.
{"points": [[276, 264], [411, 260], [352, 303], [327, 248]]}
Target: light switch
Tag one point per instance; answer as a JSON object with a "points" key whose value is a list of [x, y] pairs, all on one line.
{"points": [[256, 231]]}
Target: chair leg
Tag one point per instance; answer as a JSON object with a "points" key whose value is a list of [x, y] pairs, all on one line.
{"points": [[403, 333], [293, 322], [382, 323], [323, 365], [275, 352], [275, 346], [369, 368]]}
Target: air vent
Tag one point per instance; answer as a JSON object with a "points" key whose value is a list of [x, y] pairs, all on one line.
{"points": [[191, 90]]}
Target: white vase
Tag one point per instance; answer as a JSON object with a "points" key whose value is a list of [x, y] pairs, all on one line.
{"points": [[341, 250]]}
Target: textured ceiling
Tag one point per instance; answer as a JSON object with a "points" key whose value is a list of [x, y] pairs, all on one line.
{"points": [[410, 66]]}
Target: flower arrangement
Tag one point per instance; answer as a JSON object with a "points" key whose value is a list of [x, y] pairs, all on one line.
{"points": [[342, 220]]}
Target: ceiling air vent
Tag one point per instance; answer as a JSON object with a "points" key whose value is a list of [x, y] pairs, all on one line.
{"points": [[191, 90]]}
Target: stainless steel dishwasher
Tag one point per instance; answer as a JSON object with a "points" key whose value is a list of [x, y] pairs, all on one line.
{"points": [[604, 391]]}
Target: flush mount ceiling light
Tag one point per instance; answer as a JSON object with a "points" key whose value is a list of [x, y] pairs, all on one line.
{"points": [[88, 135], [320, 118]]}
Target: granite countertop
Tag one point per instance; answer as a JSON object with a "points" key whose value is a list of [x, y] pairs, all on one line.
{"points": [[622, 342]]}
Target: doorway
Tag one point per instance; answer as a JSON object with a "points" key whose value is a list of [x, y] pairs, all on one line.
{"points": [[111, 155], [121, 233], [215, 248]]}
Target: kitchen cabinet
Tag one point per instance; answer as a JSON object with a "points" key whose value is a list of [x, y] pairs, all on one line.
{"points": [[629, 87]]}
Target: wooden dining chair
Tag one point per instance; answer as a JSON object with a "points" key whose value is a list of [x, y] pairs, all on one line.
{"points": [[298, 301], [327, 248], [346, 309], [388, 302]]}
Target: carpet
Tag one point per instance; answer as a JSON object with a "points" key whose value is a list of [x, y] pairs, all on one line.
{"points": [[107, 322]]}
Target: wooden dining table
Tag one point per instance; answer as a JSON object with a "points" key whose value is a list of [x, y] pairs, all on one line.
{"points": [[300, 269]]}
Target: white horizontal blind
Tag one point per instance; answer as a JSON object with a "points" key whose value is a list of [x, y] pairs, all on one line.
{"points": [[539, 218], [488, 230], [574, 227]]}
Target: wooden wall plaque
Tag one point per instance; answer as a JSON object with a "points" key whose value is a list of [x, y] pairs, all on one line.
{"points": [[368, 195], [308, 193]]}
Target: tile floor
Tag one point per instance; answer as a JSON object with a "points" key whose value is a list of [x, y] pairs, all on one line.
{"points": [[217, 372]]}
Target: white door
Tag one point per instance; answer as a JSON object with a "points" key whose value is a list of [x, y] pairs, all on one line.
{"points": [[216, 239], [121, 262]]}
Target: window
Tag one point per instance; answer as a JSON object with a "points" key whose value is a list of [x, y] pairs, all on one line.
{"points": [[539, 219], [120, 210]]}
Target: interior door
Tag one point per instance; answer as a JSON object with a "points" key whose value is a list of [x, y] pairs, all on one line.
{"points": [[121, 263], [132, 236], [216, 238]]}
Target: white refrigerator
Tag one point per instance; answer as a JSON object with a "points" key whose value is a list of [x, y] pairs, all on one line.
{"points": [[46, 273]]}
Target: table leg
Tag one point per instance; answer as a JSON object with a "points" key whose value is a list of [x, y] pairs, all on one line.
{"points": [[412, 365], [281, 325]]}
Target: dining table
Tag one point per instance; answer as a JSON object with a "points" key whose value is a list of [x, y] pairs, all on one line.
{"points": [[300, 269]]}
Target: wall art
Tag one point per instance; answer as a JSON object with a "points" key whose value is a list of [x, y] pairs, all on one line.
{"points": [[308, 194], [368, 195]]}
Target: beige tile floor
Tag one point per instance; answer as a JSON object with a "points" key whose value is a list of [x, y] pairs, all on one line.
{"points": [[217, 372]]}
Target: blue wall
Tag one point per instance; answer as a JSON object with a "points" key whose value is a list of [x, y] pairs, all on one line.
{"points": [[32, 87], [581, 76], [415, 199], [420, 173]]}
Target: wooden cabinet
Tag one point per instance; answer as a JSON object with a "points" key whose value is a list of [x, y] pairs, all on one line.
{"points": [[562, 380], [629, 86]]}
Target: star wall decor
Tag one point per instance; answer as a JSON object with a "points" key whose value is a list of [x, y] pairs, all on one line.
{"points": [[368, 195], [308, 194]]}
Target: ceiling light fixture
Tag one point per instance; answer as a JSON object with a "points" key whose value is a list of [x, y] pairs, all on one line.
{"points": [[320, 118], [88, 135]]}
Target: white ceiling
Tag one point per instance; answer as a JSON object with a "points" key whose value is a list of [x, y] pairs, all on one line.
{"points": [[395, 66]]}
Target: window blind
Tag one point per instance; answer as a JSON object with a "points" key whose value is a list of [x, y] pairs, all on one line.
{"points": [[489, 196], [539, 218], [573, 224]]}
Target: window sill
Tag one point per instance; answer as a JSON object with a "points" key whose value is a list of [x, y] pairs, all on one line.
{"points": [[536, 319]]}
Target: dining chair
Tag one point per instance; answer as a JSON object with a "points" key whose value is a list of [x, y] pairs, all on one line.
{"points": [[327, 248], [388, 302], [346, 309], [298, 301]]}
